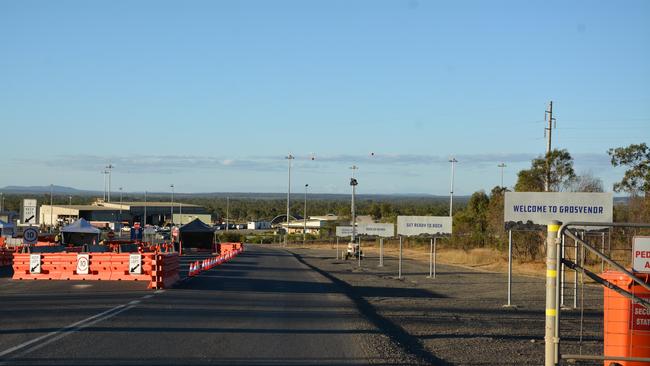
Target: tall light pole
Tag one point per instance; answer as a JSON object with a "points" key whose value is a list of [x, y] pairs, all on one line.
{"points": [[109, 169], [51, 208], [227, 212], [144, 223], [353, 183], [502, 165], [171, 219], [289, 158], [2, 201], [304, 229], [120, 210], [453, 162], [104, 173]]}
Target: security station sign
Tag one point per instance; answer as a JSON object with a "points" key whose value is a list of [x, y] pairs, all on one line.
{"points": [[540, 208], [641, 254], [135, 264], [423, 225]]}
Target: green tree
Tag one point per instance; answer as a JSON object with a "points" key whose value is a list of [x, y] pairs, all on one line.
{"points": [[560, 176], [637, 177]]}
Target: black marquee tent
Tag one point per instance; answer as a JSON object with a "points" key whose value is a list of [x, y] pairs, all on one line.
{"points": [[80, 232], [196, 234]]}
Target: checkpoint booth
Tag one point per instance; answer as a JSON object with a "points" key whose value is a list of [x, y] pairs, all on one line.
{"points": [[79, 233], [197, 234]]}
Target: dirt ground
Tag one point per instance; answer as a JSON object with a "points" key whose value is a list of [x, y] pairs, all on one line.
{"points": [[459, 317]]}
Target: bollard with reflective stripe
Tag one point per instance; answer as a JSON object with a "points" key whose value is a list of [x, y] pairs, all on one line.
{"points": [[550, 339]]}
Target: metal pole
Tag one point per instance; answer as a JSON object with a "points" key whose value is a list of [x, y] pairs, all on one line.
{"points": [[575, 275], [602, 249], [304, 228], [144, 224], [453, 161], [227, 212], [121, 212], [435, 239], [431, 259], [562, 273], [558, 267], [104, 174], [381, 252], [359, 241], [509, 268], [110, 174], [51, 208], [337, 247], [502, 165], [399, 272], [289, 158], [551, 276], [171, 219]]}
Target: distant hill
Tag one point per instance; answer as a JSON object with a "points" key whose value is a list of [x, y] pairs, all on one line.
{"points": [[46, 189], [62, 190]]}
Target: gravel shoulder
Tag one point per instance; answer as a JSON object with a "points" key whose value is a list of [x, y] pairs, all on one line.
{"points": [[458, 318]]}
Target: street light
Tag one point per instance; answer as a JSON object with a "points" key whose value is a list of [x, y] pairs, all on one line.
{"points": [[502, 165], [353, 183], [289, 158], [51, 208], [172, 206], [304, 229], [453, 162], [109, 168]]}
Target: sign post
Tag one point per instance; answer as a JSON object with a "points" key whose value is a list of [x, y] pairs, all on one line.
{"points": [[381, 252], [431, 226], [532, 211]]}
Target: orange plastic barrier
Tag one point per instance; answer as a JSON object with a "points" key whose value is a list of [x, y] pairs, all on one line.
{"points": [[160, 270], [626, 325], [207, 264]]}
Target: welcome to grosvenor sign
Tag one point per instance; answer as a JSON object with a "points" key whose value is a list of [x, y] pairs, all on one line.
{"points": [[539, 208]]}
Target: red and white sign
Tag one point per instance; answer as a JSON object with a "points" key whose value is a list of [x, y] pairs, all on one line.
{"points": [[136, 225], [111, 235], [640, 319], [175, 232], [641, 254]]}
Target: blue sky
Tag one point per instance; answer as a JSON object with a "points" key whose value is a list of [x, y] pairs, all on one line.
{"points": [[211, 95]]}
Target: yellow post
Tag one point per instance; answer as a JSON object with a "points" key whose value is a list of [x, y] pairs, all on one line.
{"points": [[551, 293]]}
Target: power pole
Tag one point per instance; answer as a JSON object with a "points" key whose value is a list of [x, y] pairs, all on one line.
{"points": [[547, 133], [353, 183], [286, 236]]}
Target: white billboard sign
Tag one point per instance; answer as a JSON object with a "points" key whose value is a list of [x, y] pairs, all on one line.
{"points": [[374, 229], [423, 225], [641, 254], [540, 208], [343, 231], [28, 211]]}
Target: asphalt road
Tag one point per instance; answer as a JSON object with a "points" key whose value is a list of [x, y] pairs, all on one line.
{"points": [[262, 308]]}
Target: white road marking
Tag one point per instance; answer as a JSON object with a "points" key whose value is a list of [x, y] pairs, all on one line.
{"points": [[69, 329]]}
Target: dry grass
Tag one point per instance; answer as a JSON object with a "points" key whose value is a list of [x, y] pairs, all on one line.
{"points": [[485, 259]]}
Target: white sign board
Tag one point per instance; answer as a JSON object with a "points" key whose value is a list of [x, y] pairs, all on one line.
{"points": [[423, 225], [343, 231], [30, 235], [34, 263], [641, 254], [135, 264], [28, 211], [540, 208], [374, 229], [83, 262]]}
